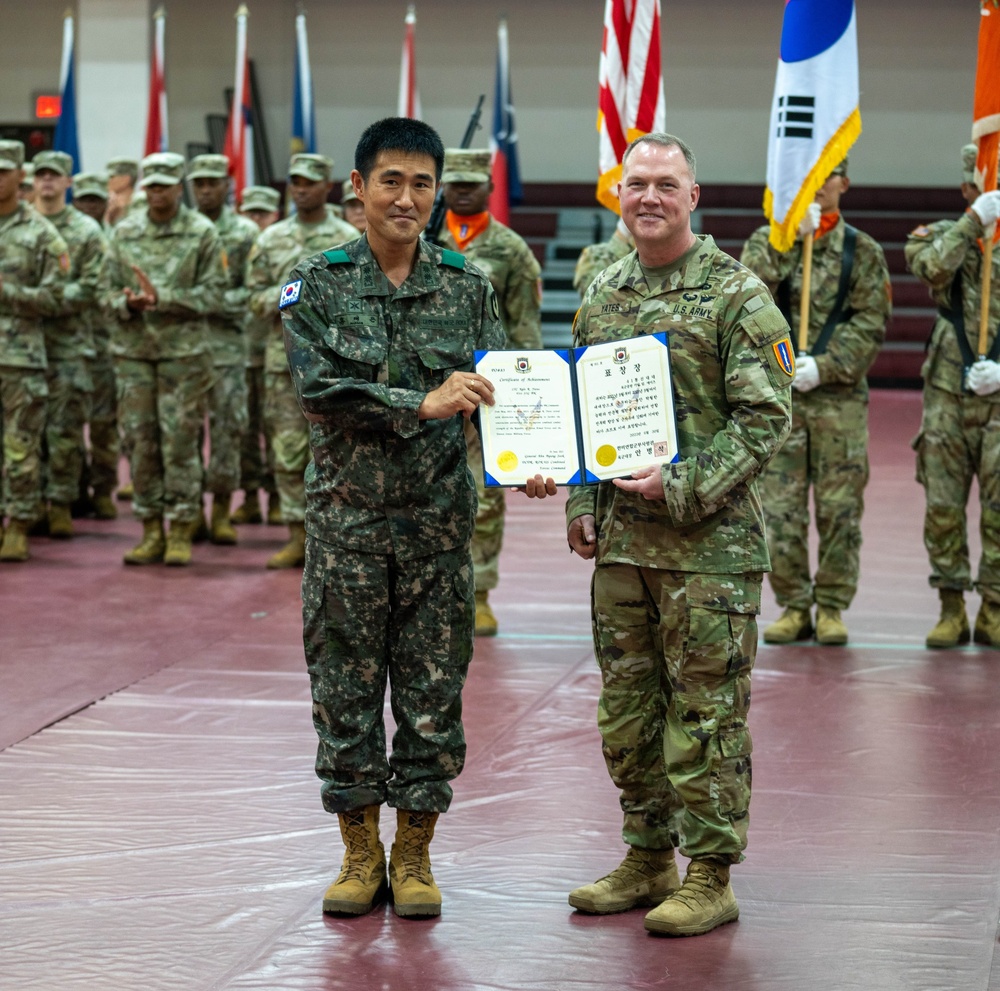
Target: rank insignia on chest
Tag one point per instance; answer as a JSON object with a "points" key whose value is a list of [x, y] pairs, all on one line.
{"points": [[786, 357], [290, 294]]}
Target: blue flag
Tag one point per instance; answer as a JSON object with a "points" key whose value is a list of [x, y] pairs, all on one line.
{"points": [[65, 138], [303, 107]]}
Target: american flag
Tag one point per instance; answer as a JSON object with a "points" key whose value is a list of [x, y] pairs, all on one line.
{"points": [[630, 101]]}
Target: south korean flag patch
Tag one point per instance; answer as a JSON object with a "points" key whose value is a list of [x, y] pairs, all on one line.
{"points": [[290, 294]]}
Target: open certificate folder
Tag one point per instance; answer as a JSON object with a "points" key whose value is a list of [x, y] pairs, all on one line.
{"points": [[578, 415]]}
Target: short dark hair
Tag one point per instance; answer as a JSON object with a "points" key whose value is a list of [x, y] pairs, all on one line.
{"points": [[398, 134]]}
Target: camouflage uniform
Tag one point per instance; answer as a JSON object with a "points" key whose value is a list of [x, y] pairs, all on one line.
{"points": [[162, 358], [677, 585], [34, 264], [960, 432], [275, 253], [70, 349], [387, 588], [595, 258], [515, 275], [227, 400], [828, 446]]}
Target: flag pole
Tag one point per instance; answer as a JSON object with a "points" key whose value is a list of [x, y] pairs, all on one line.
{"points": [[807, 264]]}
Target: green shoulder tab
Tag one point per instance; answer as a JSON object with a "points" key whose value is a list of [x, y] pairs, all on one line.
{"points": [[337, 257], [452, 258]]}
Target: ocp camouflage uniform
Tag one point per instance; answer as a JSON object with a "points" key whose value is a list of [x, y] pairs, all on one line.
{"points": [[162, 358], [515, 275], [70, 349], [677, 585], [34, 265], [828, 446], [387, 588], [959, 432], [275, 253], [595, 258], [227, 399]]}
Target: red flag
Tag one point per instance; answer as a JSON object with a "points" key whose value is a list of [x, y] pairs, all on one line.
{"points": [[503, 142], [986, 102], [630, 99], [239, 130], [409, 95], [156, 116]]}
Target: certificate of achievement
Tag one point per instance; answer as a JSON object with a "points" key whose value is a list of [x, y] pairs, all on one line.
{"points": [[578, 415]]}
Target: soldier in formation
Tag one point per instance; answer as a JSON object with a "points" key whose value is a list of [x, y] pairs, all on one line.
{"points": [[515, 276]]}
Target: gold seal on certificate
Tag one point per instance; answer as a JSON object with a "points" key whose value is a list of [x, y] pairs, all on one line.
{"points": [[578, 415]]}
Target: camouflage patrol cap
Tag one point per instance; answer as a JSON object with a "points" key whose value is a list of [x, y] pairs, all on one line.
{"points": [[91, 184], [969, 153], [123, 166], [317, 168], [466, 165], [163, 168], [841, 169], [208, 167], [27, 180], [57, 161], [11, 154], [347, 192], [260, 198]]}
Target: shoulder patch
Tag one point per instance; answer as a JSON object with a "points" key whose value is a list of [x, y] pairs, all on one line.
{"points": [[494, 305], [290, 294], [452, 258], [785, 355], [337, 256], [922, 231]]}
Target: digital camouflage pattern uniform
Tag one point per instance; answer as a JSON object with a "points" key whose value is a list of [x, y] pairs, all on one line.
{"points": [[34, 266], [70, 349], [676, 589], [387, 589], [162, 358], [827, 449], [960, 432], [515, 275], [227, 400], [275, 253], [595, 258]]}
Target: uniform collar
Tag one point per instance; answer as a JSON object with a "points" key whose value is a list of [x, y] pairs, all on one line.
{"points": [[425, 277], [690, 276]]}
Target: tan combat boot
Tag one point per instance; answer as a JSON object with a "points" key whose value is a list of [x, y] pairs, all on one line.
{"points": [[126, 492], [60, 521], [486, 622], [293, 554], [274, 517], [150, 549], [831, 630], [410, 880], [178, 553], [249, 512], [988, 624], [793, 624], [361, 884], [200, 531], [104, 507], [705, 900], [643, 878], [15, 541], [222, 531], [953, 627]]}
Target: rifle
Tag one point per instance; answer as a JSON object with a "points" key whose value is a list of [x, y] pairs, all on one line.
{"points": [[432, 232]]}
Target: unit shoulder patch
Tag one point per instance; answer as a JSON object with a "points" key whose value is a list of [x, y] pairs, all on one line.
{"points": [[785, 354]]}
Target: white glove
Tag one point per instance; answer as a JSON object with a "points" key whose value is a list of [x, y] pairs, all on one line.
{"points": [[984, 376], [806, 373], [810, 221], [987, 207]]}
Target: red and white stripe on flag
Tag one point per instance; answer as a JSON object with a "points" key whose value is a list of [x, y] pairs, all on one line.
{"points": [[630, 99], [815, 116], [239, 131], [156, 116], [986, 102], [409, 95]]}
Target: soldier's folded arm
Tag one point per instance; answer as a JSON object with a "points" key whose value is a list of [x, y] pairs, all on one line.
{"points": [[769, 264], [934, 254], [205, 296]]}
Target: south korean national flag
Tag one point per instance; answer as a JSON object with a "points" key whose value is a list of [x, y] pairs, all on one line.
{"points": [[290, 294]]}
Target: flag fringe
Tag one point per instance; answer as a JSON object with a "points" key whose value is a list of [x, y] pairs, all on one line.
{"points": [[783, 233]]}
